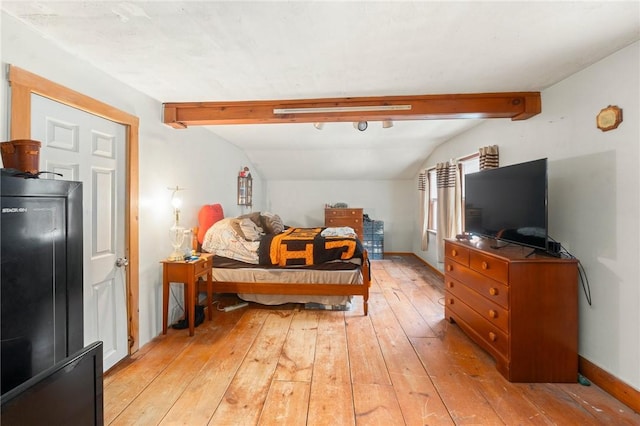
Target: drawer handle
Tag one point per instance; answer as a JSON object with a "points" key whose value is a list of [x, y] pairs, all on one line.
{"points": [[493, 291], [451, 301], [485, 265], [449, 268], [493, 314], [493, 337], [450, 284], [454, 252]]}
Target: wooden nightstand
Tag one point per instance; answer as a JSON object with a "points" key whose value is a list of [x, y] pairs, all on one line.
{"points": [[188, 274]]}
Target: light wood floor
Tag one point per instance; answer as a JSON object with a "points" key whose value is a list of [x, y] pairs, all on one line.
{"points": [[401, 364]]}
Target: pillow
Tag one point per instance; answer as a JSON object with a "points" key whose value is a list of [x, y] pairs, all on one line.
{"points": [[246, 229], [250, 231], [271, 223], [207, 216], [235, 225], [222, 240], [255, 217]]}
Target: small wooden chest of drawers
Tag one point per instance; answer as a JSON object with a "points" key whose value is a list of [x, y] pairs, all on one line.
{"points": [[522, 309], [344, 217]]}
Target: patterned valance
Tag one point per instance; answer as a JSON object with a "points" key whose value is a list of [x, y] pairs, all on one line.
{"points": [[446, 174], [489, 157], [422, 181]]}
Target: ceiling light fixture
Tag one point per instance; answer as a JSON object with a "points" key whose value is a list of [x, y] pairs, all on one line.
{"points": [[314, 110], [360, 125], [386, 124], [318, 126]]}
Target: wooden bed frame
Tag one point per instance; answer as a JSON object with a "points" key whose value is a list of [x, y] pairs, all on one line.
{"points": [[302, 288]]}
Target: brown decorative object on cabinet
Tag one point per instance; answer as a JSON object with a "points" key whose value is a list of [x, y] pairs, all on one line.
{"points": [[21, 154], [187, 272], [334, 217], [521, 309]]}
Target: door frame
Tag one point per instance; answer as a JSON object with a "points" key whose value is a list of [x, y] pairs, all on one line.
{"points": [[23, 84]]}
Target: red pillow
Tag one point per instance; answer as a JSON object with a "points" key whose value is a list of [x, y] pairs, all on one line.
{"points": [[207, 216]]}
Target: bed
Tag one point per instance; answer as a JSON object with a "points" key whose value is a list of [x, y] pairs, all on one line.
{"points": [[263, 261]]}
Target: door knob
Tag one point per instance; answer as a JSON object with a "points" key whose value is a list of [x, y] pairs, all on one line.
{"points": [[122, 261]]}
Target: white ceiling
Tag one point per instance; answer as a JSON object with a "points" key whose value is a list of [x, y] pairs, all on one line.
{"points": [[235, 51]]}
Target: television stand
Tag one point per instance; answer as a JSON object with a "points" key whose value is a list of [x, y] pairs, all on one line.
{"points": [[522, 308]]}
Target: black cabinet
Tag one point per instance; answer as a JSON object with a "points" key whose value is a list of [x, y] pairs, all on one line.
{"points": [[41, 274]]}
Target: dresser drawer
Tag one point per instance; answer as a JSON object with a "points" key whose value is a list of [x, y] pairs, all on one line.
{"points": [[334, 213], [339, 222], [202, 267], [343, 221], [491, 289], [493, 339], [490, 311], [490, 266], [458, 253]]}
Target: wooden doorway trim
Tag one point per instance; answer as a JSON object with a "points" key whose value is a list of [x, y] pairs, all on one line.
{"points": [[23, 84]]}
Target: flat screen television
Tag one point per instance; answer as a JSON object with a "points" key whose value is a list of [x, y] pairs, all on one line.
{"points": [[509, 203], [69, 393]]}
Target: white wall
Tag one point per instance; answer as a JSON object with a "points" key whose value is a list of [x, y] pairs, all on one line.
{"points": [[301, 203], [193, 158], [594, 193]]}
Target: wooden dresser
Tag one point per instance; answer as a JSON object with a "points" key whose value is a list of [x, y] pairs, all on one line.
{"points": [[522, 310], [344, 217]]}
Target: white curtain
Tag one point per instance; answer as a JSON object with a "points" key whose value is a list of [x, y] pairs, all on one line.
{"points": [[449, 203], [423, 187]]}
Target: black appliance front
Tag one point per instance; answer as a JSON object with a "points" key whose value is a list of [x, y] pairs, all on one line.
{"points": [[41, 274]]}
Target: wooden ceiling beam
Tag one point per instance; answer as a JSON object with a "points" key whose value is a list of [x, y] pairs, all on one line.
{"points": [[513, 105]]}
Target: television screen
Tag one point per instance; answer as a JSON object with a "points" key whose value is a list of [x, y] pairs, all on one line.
{"points": [[509, 203]]}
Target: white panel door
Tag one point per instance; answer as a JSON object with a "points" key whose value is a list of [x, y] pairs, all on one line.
{"points": [[84, 147]]}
